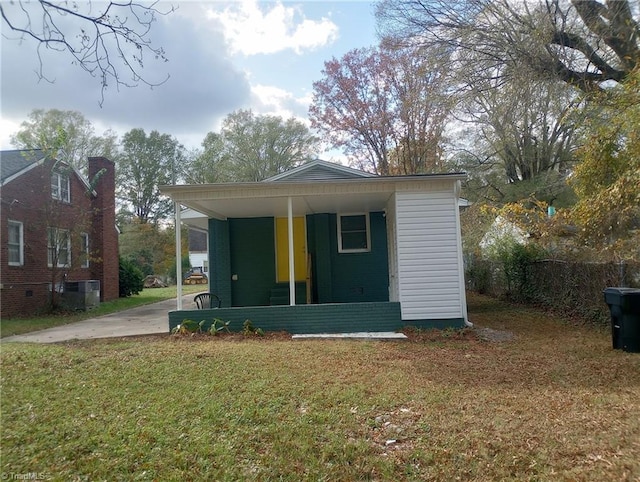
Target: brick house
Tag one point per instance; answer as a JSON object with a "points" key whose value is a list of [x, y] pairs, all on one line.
{"points": [[56, 228]]}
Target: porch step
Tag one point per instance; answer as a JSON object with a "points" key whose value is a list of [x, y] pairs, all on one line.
{"points": [[280, 294], [279, 300], [376, 335]]}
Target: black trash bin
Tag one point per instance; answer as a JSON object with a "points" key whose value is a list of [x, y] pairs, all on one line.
{"points": [[624, 304]]}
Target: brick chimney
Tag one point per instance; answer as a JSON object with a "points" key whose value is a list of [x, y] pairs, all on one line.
{"points": [[104, 236]]}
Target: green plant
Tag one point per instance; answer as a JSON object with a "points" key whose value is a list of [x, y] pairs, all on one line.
{"points": [[478, 274], [218, 326], [249, 329], [516, 259], [517, 264], [131, 279], [190, 327], [187, 327]]}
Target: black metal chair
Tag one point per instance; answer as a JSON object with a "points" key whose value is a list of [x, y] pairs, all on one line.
{"points": [[207, 300]]}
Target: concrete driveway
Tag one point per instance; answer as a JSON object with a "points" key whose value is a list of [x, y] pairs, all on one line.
{"points": [[143, 320]]}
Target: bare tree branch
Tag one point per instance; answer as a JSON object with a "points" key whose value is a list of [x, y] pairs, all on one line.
{"points": [[109, 40], [582, 42]]}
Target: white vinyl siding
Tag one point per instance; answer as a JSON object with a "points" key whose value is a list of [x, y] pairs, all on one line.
{"points": [[427, 242]]}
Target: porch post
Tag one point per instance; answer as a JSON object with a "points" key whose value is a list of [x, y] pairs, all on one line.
{"points": [[178, 258], [292, 271]]}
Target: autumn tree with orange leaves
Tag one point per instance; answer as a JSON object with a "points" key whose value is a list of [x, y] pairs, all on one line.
{"points": [[386, 109]]}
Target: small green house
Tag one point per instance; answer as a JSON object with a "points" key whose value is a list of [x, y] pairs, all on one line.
{"points": [[324, 248]]}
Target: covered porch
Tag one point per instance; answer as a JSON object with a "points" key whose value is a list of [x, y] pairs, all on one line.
{"points": [[322, 256]]}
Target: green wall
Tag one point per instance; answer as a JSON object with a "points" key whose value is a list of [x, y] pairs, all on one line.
{"points": [[252, 256], [220, 264], [328, 318], [348, 277], [319, 246], [245, 247]]}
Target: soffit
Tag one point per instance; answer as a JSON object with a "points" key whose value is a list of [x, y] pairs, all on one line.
{"points": [[241, 200]]}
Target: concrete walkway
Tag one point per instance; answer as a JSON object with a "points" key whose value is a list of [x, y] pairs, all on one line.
{"points": [[149, 320], [143, 320]]}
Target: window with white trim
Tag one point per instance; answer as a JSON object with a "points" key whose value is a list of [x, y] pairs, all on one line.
{"points": [[84, 246], [15, 243], [353, 233], [58, 247], [60, 187]]}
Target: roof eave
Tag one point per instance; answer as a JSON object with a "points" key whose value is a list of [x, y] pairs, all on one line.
{"points": [[170, 189]]}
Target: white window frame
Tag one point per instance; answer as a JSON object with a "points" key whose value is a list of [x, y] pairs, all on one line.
{"points": [[20, 226], [56, 234], [341, 249], [60, 187], [84, 246]]}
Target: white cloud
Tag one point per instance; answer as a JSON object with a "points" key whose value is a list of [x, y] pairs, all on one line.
{"points": [[203, 87], [250, 30], [276, 101], [7, 128]]}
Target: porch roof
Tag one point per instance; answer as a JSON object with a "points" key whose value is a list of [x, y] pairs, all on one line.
{"points": [[258, 199]]}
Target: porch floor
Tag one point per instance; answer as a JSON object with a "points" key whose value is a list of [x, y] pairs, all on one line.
{"points": [[362, 335]]}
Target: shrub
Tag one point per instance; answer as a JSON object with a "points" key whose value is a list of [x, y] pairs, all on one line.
{"points": [[131, 279], [517, 269], [478, 275]]}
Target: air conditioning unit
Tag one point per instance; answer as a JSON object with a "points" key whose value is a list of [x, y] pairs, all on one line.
{"points": [[81, 295]]}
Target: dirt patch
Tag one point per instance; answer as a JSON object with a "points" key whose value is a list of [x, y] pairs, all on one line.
{"points": [[414, 335], [433, 335], [232, 337], [497, 336]]}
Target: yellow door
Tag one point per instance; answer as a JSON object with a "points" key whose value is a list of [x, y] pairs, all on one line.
{"points": [[299, 249]]}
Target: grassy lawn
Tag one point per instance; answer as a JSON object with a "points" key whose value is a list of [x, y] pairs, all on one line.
{"points": [[18, 326], [551, 402]]}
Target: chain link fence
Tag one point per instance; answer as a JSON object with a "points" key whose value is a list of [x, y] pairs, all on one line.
{"points": [[572, 288]]}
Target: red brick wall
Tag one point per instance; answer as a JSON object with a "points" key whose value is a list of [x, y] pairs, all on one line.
{"points": [[104, 233], [25, 289]]}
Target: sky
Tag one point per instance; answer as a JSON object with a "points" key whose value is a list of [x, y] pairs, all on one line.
{"points": [[222, 56]]}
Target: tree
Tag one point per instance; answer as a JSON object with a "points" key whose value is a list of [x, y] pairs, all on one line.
{"points": [[521, 140], [252, 148], [103, 38], [64, 224], [262, 146], [582, 42], [386, 108], [150, 247], [66, 135], [607, 180], [145, 163], [211, 164]]}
